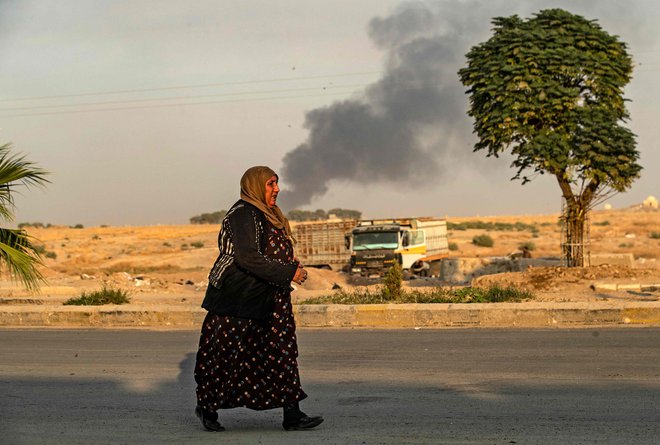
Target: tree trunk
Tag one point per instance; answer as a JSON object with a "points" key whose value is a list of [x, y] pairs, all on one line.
{"points": [[574, 248], [574, 218]]}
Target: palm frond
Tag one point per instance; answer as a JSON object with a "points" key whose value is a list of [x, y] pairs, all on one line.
{"points": [[16, 170], [20, 257], [17, 253], [6, 203]]}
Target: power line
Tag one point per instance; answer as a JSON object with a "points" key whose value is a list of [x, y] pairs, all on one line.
{"points": [[180, 87], [48, 113], [159, 99]]}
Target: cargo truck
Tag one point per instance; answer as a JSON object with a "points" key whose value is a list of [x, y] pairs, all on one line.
{"points": [[371, 247], [322, 244], [416, 244]]}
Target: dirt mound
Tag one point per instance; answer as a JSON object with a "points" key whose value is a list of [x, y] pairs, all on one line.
{"points": [[323, 279], [554, 278]]}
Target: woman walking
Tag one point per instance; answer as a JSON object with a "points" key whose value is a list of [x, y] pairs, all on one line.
{"points": [[248, 351]]}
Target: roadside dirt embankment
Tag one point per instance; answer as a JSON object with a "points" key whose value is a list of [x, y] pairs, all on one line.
{"points": [[171, 263]]}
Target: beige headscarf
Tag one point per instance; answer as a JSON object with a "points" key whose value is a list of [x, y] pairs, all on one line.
{"points": [[253, 190]]}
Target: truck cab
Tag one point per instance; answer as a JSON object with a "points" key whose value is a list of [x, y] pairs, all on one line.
{"points": [[377, 244], [374, 247]]}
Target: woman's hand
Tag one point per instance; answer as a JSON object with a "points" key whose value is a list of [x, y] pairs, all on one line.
{"points": [[301, 275]]}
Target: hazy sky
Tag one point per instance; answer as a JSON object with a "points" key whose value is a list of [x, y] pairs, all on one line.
{"points": [[148, 112]]}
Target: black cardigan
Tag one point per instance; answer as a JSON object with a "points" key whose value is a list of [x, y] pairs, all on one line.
{"points": [[243, 280]]}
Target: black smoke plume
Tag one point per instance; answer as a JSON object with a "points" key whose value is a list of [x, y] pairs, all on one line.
{"points": [[411, 124]]}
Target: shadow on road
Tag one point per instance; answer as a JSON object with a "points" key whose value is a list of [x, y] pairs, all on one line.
{"points": [[364, 401]]}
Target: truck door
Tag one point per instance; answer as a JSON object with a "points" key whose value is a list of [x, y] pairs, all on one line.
{"points": [[414, 247]]}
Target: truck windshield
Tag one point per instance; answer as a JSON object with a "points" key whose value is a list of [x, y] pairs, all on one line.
{"points": [[375, 240]]}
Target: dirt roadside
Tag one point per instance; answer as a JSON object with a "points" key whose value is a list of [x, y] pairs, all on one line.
{"points": [[169, 264], [549, 284]]}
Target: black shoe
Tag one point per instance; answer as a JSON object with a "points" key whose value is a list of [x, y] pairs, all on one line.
{"points": [[209, 419], [303, 423]]}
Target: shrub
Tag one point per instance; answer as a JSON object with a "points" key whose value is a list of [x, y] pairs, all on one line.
{"points": [[393, 283], [602, 223], [100, 297], [78, 226], [527, 245], [166, 244], [483, 241], [197, 244], [135, 269], [96, 237], [453, 246], [654, 235], [36, 225], [493, 294], [41, 250], [492, 226], [356, 296]]}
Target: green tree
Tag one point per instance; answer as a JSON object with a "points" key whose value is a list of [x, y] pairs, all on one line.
{"points": [[209, 218], [300, 215], [345, 213], [320, 214], [550, 90], [307, 215], [17, 252]]}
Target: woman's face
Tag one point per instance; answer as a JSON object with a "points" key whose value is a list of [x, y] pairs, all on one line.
{"points": [[272, 189]]}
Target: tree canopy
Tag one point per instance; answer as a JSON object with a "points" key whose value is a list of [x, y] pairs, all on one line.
{"points": [[209, 218], [17, 252], [550, 89], [320, 214], [293, 215]]}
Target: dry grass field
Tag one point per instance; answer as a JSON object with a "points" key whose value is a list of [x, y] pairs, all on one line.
{"points": [[611, 231], [173, 261]]}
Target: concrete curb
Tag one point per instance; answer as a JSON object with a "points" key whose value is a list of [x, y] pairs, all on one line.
{"points": [[351, 316], [480, 315], [633, 286], [108, 316]]}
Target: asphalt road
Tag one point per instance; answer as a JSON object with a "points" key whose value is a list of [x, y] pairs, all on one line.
{"points": [[459, 386]]}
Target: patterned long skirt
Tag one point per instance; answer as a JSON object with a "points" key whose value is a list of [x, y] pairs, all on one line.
{"points": [[249, 363]]}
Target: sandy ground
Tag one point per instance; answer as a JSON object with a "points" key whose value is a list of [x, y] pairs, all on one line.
{"points": [[169, 264]]}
